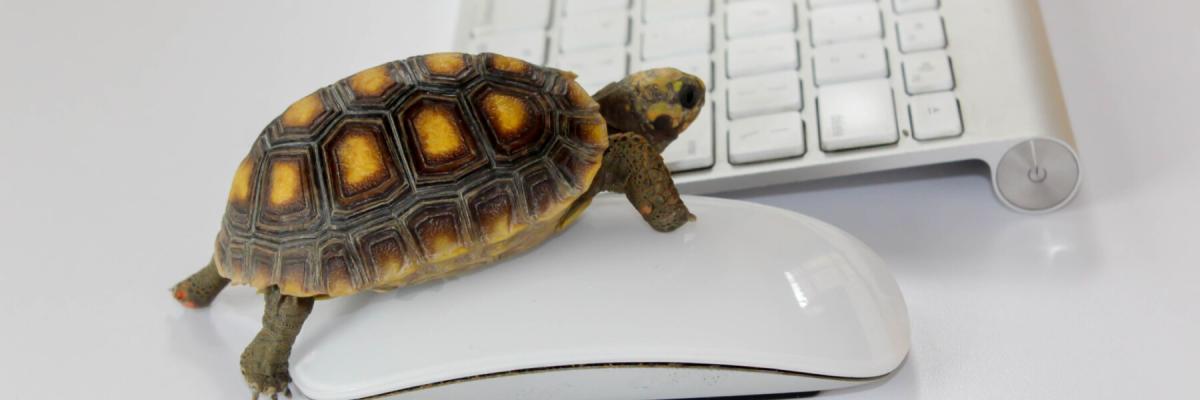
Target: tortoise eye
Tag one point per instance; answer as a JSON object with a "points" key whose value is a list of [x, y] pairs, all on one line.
{"points": [[689, 96]]}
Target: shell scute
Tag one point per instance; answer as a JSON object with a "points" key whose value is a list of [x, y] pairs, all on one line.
{"points": [[443, 68], [516, 122], [385, 248], [508, 69], [296, 264], [336, 278], [288, 199], [438, 139], [362, 165], [306, 118], [494, 209], [438, 230], [378, 87]]}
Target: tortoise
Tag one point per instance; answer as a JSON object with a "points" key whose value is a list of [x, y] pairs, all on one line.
{"points": [[419, 169]]}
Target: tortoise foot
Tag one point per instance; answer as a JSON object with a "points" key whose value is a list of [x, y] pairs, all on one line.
{"points": [[267, 379]]}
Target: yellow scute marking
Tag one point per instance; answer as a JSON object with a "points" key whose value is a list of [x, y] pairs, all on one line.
{"points": [[371, 82], [391, 264], [595, 133], [303, 111], [499, 228], [240, 191], [359, 159], [445, 246], [438, 133], [580, 97], [509, 64], [445, 63], [285, 182], [506, 112]]}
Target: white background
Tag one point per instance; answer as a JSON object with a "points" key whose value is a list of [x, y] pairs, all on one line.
{"points": [[121, 123]]}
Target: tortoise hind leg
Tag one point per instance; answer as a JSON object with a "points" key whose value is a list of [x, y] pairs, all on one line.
{"points": [[201, 288], [265, 360]]}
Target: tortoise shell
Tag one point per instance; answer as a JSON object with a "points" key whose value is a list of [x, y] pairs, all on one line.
{"points": [[409, 171]]}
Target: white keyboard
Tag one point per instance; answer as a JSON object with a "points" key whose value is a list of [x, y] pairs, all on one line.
{"points": [[806, 89]]}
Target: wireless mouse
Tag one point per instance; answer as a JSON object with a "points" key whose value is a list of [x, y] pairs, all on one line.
{"points": [[747, 300]]}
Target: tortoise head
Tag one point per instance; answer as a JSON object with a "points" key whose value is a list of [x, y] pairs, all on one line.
{"points": [[657, 103]]}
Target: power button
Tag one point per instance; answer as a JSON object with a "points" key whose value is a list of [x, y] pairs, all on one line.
{"points": [[1037, 175]]}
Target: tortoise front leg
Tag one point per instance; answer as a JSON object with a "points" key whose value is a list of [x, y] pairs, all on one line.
{"points": [[265, 360], [633, 166]]}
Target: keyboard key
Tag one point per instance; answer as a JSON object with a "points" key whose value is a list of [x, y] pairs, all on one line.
{"points": [[764, 94], [574, 8], [597, 67], [698, 65], [675, 38], [935, 116], [751, 18], [529, 46], [670, 10], [594, 30], [694, 148], [907, 6], [859, 114], [839, 24], [927, 72], [851, 61], [919, 32], [512, 15], [814, 4], [768, 137], [762, 54]]}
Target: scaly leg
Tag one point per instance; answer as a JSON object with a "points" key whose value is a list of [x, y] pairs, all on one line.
{"points": [[633, 166], [265, 360], [201, 288]]}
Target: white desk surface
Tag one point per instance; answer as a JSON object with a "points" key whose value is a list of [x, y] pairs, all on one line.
{"points": [[121, 123]]}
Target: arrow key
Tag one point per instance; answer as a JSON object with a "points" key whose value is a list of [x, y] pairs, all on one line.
{"points": [[935, 116], [927, 72]]}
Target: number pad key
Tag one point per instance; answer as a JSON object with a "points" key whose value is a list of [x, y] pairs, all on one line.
{"points": [[751, 18], [529, 46], [839, 24], [669, 10], [815, 4], [767, 137], [596, 68], [907, 6], [675, 38], [512, 15], [576, 8], [850, 62], [764, 94], [919, 32], [762, 54], [597, 30], [859, 114]]}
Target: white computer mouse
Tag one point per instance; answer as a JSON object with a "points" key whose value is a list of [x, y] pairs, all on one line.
{"points": [[747, 300]]}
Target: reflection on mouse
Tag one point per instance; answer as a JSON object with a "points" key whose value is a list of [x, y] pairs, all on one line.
{"points": [[753, 300]]}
